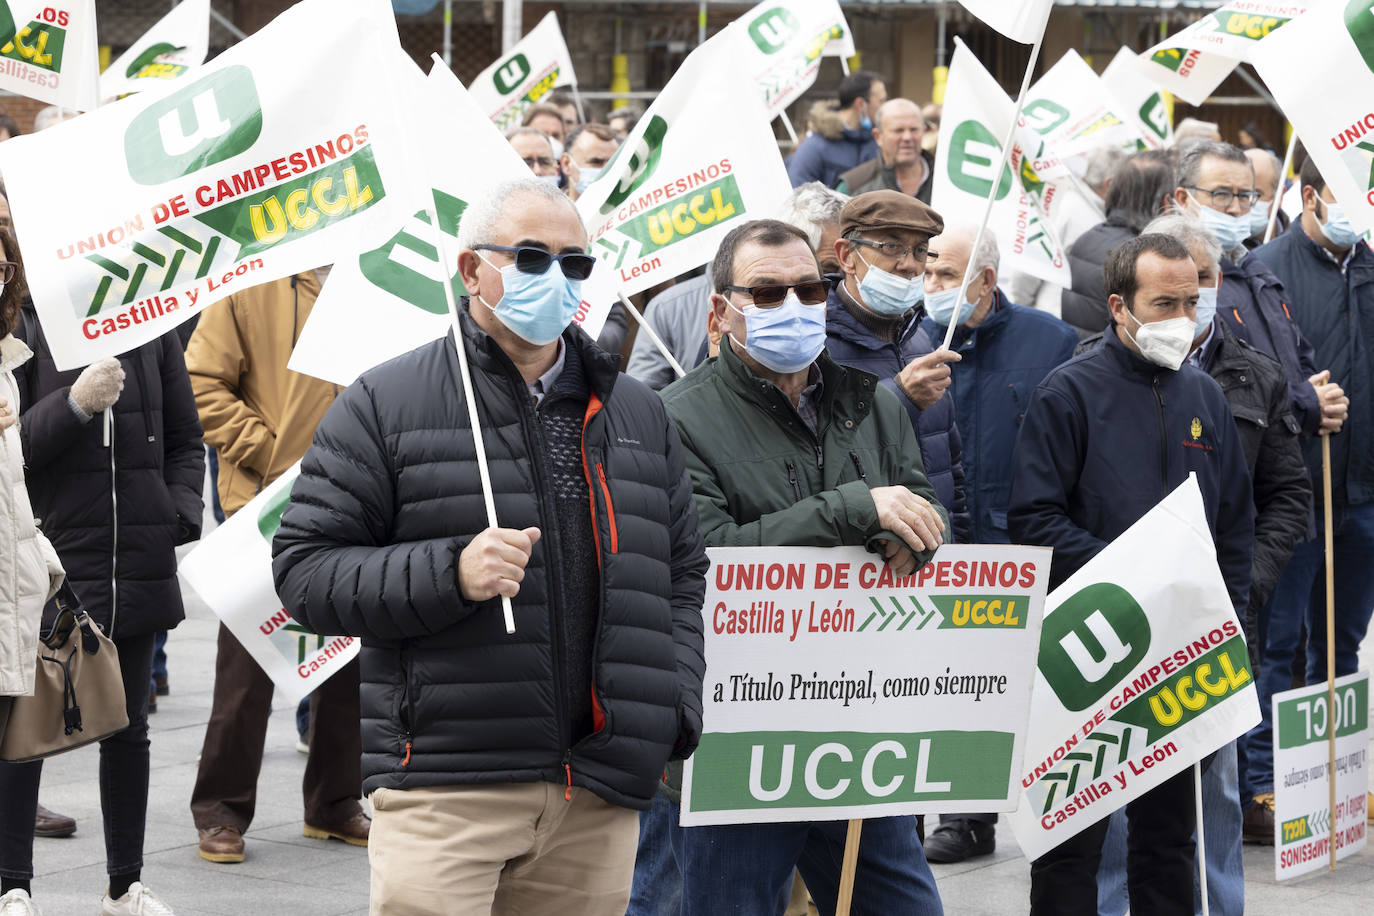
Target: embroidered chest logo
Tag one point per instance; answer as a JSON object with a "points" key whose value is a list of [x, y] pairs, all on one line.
{"points": [[1196, 428]]}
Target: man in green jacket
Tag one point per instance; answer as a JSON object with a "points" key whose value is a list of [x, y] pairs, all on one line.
{"points": [[787, 447]]}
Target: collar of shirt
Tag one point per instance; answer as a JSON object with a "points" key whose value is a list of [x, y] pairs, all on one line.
{"points": [[809, 404], [542, 385], [1202, 353]]}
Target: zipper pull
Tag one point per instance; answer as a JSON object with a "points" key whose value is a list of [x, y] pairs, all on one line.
{"points": [[406, 762], [567, 767]]}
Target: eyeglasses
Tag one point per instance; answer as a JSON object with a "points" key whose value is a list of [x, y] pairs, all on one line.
{"points": [[544, 162], [1222, 197], [895, 250], [575, 265], [8, 269], [770, 295]]}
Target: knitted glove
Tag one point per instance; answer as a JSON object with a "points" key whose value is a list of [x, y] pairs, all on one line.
{"points": [[98, 386]]}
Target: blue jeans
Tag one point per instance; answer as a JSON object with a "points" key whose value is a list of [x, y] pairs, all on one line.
{"points": [[1222, 816], [657, 889], [747, 868], [1300, 596]]}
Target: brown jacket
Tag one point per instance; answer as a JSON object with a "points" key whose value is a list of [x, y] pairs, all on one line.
{"points": [[257, 414]]}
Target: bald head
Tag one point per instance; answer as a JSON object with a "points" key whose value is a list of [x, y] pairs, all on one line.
{"points": [[1267, 168], [899, 129]]}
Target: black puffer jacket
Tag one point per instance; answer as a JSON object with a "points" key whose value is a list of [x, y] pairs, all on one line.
{"points": [[1084, 303], [387, 499], [115, 514]]}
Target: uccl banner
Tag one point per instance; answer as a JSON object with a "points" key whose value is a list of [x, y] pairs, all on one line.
{"points": [[781, 45], [1139, 98], [396, 291], [137, 215], [50, 53], [167, 52], [1194, 62], [701, 161], [524, 75], [835, 690], [976, 115], [1332, 105], [1143, 671], [231, 569]]}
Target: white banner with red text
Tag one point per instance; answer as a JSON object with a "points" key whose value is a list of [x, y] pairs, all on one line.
{"points": [[780, 45], [524, 75], [50, 52]]}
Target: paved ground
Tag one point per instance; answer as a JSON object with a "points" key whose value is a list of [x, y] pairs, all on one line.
{"points": [[287, 874]]}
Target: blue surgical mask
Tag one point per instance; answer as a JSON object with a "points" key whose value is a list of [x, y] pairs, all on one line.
{"points": [[535, 307], [586, 175], [865, 122], [1230, 231], [1337, 228], [1259, 216], [786, 338], [888, 294], [940, 306], [1206, 308], [550, 179]]}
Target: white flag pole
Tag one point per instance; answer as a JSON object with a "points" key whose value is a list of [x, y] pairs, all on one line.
{"points": [[469, 393], [1201, 843], [1276, 204], [577, 101], [658, 341], [787, 123], [997, 179]]}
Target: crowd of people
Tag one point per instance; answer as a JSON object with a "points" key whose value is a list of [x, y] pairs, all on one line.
{"points": [[541, 772]]}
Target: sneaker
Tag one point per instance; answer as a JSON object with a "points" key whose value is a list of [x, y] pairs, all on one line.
{"points": [[957, 840], [139, 901], [1259, 821], [18, 903]]}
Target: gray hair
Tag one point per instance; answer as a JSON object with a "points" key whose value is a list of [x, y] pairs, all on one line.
{"points": [[50, 116], [987, 255], [1102, 164], [483, 216], [1191, 158], [1274, 163], [811, 207], [1190, 231], [1195, 129], [554, 146]]}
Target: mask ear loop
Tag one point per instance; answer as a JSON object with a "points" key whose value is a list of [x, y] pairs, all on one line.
{"points": [[479, 295]]}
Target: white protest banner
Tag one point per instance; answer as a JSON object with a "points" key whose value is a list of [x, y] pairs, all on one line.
{"points": [[1072, 113], [246, 173], [1140, 100], [701, 161], [835, 690], [1019, 20], [1143, 671], [1193, 63], [781, 46], [169, 51], [1331, 106], [231, 569], [395, 292], [1303, 822], [524, 75], [976, 114], [50, 52]]}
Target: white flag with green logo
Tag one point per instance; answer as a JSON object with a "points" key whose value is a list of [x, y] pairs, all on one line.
{"points": [[51, 53], [231, 570], [1331, 106], [1193, 63], [701, 161], [1019, 20], [167, 52], [1072, 114], [780, 45], [246, 173], [1143, 671], [524, 75], [1140, 100], [394, 294], [976, 115]]}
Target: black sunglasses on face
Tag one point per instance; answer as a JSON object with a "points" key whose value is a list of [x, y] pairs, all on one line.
{"points": [[811, 292], [575, 265]]}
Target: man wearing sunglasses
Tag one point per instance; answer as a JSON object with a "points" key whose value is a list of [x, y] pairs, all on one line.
{"points": [[787, 447], [873, 322], [504, 766]]}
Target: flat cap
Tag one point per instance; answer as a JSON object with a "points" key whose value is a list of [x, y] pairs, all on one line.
{"points": [[889, 210]]}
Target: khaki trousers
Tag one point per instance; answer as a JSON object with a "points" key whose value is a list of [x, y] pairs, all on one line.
{"points": [[511, 848]]}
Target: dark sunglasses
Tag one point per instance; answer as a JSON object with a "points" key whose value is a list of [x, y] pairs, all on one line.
{"points": [[575, 265], [7, 271], [812, 292]]}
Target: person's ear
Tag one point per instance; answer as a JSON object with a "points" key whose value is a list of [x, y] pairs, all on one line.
{"points": [[1118, 308], [468, 262]]}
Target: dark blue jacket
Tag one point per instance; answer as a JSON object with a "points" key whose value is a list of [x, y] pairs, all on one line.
{"points": [[1335, 311], [1005, 359], [852, 344], [1107, 436], [1253, 302], [830, 149]]}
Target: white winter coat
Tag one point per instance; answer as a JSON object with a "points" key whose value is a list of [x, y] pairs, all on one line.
{"points": [[30, 572]]}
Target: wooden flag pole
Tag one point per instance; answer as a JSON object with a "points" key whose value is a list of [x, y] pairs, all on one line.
{"points": [[1276, 205], [996, 180], [469, 393], [851, 865], [658, 341], [1330, 645], [1201, 842]]}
